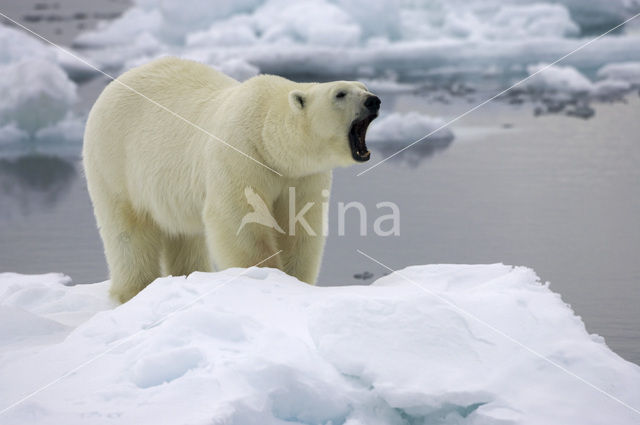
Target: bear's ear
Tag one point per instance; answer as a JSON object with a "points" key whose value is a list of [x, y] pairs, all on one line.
{"points": [[297, 100]]}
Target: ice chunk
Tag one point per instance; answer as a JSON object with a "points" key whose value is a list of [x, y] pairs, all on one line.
{"points": [[401, 129], [323, 39], [308, 22], [608, 89], [36, 93], [10, 133], [16, 45], [533, 20], [598, 16], [625, 71], [167, 20], [501, 21], [446, 344], [390, 133], [557, 78], [68, 130], [131, 25], [238, 69], [237, 31]]}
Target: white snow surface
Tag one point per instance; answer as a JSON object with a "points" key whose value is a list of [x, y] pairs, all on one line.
{"points": [[439, 344]]}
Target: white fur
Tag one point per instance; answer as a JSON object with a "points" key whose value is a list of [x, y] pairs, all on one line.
{"points": [[169, 199]]}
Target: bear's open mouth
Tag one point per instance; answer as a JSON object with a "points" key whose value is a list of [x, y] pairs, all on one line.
{"points": [[357, 134]]}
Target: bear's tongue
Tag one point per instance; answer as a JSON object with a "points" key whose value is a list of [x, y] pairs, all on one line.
{"points": [[357, 136]]}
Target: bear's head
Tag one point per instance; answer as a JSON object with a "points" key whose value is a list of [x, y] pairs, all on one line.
{"points": [[338, 115], [325, 126]]}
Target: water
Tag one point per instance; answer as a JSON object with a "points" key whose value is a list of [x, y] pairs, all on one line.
{"points": [[558, 194], [60, 21]]}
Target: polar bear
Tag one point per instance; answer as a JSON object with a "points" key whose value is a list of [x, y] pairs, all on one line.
{"points": [[173, 149]]}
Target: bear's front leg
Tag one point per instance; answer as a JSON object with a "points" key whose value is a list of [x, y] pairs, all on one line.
{"points": [[234, 244], [306, 205]]}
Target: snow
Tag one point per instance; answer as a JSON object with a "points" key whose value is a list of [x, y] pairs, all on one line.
{"points": [[557, 78], [16, 45], [613, 78], [626, 71], [37, 94], [390, 133], [563, 88], [69, 129], [402, 129], [398, 45], [435, 344], [10, 133], [322, 37]]}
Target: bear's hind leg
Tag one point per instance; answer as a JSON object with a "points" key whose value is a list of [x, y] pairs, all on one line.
{"points": [[184, 254], [132, 247]]}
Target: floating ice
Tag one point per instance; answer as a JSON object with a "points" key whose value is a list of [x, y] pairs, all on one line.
{"points": [[36, 92], [401, 129], [390, 133], [485, 41], [16, 45], [557, 88], [10, 133], [428, 345], [338, 38], [68, 130], [627, 71], [557, 78]]}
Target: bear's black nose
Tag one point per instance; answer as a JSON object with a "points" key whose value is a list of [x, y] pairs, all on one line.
{"points": [[372, 103]]}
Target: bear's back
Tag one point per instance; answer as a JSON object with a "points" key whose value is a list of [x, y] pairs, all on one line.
{"points": [[165, 74], [149, 117]]}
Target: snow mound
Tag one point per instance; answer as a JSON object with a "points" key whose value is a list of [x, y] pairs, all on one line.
{"points": [[255, 346]]}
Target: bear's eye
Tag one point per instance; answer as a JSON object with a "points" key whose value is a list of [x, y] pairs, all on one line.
{"points": [[341, 95]]}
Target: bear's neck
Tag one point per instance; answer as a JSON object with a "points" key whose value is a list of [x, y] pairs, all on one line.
{"points": [[284, 148]]}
